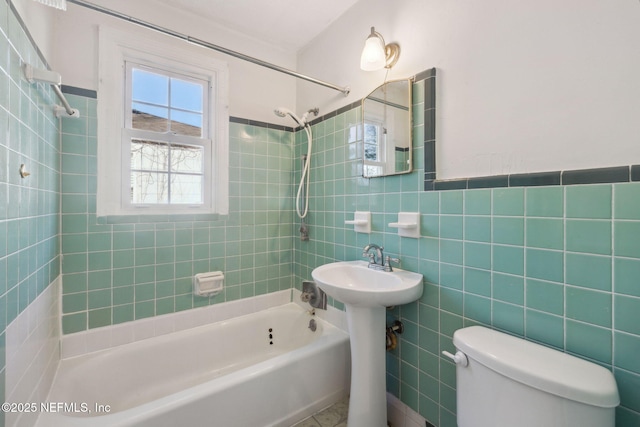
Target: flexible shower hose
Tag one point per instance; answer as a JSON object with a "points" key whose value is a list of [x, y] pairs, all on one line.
{"points": [[305, 176]]}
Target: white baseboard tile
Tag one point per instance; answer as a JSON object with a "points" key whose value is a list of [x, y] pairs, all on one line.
{"points": [[33, 353], [400, 415]]}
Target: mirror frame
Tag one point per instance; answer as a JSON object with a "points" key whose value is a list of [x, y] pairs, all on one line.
{"points": [[409, 82]]}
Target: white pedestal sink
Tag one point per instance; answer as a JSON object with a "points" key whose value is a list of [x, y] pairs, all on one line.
{"points": [[366, 292]]}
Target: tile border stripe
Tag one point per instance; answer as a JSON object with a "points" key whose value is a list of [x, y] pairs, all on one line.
{"points": [[72, 90], [615, 174], [608, 175]]}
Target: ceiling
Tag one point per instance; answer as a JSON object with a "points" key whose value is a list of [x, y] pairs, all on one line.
{"points": [[290, 24]]}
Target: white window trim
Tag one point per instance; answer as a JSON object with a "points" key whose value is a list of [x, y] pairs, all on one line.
{"points": [[116, 47]]}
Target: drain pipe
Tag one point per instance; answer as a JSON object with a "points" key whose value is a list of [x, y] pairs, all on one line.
{"points": [[392, 338]]}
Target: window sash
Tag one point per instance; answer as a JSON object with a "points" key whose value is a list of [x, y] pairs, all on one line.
{"points": [[202, 81], [170, 139]]}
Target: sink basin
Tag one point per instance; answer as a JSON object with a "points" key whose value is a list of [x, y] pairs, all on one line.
{"points": [[352, 282]]}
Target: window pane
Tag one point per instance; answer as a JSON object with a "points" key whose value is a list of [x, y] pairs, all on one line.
{"points": [[149, 156], [150, 88], [186, 189], [183, 123], [147, 117], [186, 95], [149, 187], [186, 158], [161, 103]]}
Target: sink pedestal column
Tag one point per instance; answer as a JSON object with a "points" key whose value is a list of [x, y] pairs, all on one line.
{"points": [[368, 401]]}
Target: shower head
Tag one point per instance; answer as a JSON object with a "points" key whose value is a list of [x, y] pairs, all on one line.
{"points": [[283, 112], [280, 112]]}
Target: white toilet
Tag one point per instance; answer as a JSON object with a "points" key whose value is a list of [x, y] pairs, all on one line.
{"points": [[504, 381]]}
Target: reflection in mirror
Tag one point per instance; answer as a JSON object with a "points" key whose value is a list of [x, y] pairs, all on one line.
{"points": [[386, 124]]}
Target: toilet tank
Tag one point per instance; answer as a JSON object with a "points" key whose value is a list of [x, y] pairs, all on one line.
{"points": [[512, 382]]}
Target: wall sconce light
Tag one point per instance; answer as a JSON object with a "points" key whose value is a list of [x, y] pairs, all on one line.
{"points": [[376, 54]]}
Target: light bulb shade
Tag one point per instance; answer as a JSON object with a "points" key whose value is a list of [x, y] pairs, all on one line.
{"points": [[373, 55]]}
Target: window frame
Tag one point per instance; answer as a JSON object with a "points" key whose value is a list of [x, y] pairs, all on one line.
{"points": [[117, 48], [169, 138]]}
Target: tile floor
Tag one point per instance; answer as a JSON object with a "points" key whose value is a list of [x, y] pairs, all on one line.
{"points": [[333, 416]]}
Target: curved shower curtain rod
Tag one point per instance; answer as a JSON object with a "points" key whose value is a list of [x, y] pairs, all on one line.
{"points": [[344, 90]]}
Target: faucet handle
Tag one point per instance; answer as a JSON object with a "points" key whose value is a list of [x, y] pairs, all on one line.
{"points": [[388, 260]]}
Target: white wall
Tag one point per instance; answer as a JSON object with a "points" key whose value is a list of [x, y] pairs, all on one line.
{"points": [[254, 91], [39, 19], [523, 86]]}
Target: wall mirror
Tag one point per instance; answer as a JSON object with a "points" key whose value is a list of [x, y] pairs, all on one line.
{"points": [[387, 130]]}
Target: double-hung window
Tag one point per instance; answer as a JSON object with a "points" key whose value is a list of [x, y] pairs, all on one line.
{"points": [[162, 128], [165, 136]]}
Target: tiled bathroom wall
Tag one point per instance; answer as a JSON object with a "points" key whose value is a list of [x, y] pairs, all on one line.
{"points": [[127, 268], [557, 264], [29, 255]]}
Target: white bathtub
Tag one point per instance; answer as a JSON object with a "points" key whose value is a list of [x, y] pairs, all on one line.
{"points": [[263, 369]]}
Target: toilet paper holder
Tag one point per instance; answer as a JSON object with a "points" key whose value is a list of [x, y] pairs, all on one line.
{"points": [[208, 284]]}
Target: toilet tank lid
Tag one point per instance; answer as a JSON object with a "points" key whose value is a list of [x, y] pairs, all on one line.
{"points": [[539, 367]]}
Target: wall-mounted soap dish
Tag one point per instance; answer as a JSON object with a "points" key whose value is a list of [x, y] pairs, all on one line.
{"points": [[208, 284], [361, 222], [408, 224]]}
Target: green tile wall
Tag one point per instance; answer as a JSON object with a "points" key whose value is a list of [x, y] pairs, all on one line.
{"points": [[557, 265], [130, 268], [29, 208]]}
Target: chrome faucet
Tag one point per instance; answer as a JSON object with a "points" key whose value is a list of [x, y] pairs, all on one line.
{"points": [[377, 260]]}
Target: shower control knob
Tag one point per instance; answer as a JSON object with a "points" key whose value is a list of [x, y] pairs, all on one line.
{"points": [[459, 358]]}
